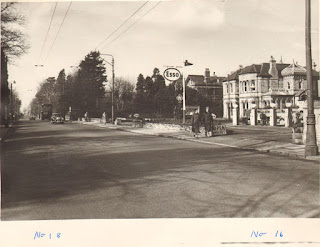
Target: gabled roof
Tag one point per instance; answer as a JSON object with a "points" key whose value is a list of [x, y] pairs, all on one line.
{"points": [[263, 69], [234, 76], [199, 80], [253, 68], [195, 78]]}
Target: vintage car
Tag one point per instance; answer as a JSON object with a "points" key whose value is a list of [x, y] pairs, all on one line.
{"points": [[56, 118]]}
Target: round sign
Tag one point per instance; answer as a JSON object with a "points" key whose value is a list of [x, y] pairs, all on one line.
{"points": [[171, 74]]}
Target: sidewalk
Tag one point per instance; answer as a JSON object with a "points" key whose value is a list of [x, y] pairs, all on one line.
{"points": [[259, 138], [5, 132]]}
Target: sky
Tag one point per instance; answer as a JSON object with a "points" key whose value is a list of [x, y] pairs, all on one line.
{"points": [[215, 34]]}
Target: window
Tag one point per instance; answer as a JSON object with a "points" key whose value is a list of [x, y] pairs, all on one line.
{"points": [[253, 85], [231, 89], [227, 88], [288, 85], [300, 84], [245, 86]]}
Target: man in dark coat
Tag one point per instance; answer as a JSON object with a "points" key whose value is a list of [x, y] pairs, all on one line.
{"points": [[195, 123], [207, 121]]}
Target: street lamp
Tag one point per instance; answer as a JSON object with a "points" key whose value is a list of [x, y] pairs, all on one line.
{"points": [[112, 95], [185, 63]]}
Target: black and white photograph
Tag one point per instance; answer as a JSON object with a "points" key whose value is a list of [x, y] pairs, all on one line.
{"points": [[199, 109]]}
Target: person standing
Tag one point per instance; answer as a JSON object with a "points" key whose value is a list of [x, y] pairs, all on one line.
{"points": [[104, 118], [195, 123], [207, 122]]}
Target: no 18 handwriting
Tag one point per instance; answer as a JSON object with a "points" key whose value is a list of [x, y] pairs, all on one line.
{"points": [[44, 235]]}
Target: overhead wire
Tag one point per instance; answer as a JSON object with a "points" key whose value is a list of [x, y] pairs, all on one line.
{"points": [[122, 24], [132, 25], [59, 30], [55, 7]]}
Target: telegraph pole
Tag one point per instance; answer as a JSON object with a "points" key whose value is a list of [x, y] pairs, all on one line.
{"points": [[112, 113], [311, 148]]}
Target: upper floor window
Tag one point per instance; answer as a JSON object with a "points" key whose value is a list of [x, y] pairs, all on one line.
{"points": [[231, 88], [300, 84], [227, 88], [253, 85], [289, 85], [245, 86]]}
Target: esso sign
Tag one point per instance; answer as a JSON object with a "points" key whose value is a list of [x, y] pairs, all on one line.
{"points": [[171, 74]]}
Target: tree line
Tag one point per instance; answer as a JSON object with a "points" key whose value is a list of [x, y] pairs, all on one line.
{"points": [[13, 45], [89, 90]]}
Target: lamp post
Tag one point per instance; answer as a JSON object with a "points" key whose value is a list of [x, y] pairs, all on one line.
{"points": [[112, 95], [311, 143], [185, 63]]}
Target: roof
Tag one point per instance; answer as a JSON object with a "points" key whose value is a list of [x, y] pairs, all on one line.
{"points": [[263, 69], [199, 80], [300, 92], [234, 76], [294, 69], [277, 93]]}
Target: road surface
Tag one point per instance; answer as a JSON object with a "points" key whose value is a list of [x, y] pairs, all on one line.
{"points": [[75, 171]]}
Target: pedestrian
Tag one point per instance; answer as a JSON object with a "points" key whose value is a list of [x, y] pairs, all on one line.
{"points": [[86, 117], [207, 122], [196, 123], [104, 117]]}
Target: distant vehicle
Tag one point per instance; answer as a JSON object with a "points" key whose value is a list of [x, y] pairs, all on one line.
{"points": [[32, 118], [56, 118], [46, 111]]}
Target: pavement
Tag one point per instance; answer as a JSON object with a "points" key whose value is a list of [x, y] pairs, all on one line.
{"points": [[267, 139], [5, 132]]}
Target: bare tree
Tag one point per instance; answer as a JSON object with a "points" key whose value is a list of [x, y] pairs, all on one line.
{"points": [[123, 94], [13, 39]]}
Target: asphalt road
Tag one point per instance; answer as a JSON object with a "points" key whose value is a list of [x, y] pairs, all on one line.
{"points": [[75, 171]]}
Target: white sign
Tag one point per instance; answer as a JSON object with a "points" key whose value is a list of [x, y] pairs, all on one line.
{"points": [[171, 74]]}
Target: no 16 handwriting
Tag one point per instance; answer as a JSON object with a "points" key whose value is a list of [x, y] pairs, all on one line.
{"points": [[258, 234], [44, 235]]}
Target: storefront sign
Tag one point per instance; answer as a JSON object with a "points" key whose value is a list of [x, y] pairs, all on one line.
{"points": [[171, 74]]}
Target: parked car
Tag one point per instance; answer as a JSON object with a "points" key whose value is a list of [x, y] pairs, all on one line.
{"points": [[56, 118]]}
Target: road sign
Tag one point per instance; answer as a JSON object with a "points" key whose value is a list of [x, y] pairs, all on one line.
{"points": [[171, 74]]}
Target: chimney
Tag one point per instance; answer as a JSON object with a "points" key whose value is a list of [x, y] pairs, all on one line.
{"points": [[273, 68], [240, 67], [206, 75]]}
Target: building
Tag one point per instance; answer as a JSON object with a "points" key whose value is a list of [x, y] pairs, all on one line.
{"points": [[210, 87], [266, 85]]}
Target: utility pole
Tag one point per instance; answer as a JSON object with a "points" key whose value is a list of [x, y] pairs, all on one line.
{"points": [[311, 148], [112, 100]]}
